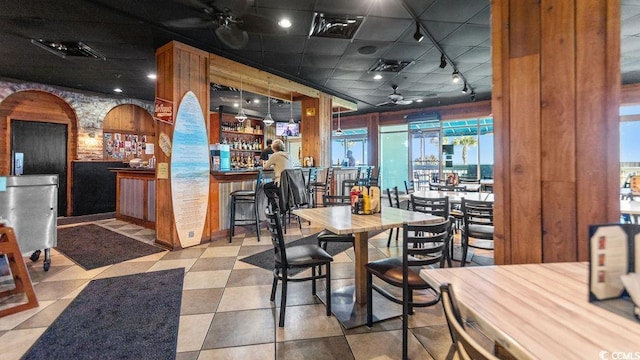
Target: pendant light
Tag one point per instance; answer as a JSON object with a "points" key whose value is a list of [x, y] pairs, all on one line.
{"points": [[292, 123], [268, 120], [339, 131], [241, 117]]}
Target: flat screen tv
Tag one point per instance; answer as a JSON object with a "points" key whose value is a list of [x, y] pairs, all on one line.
{"points": [[283, 129]]}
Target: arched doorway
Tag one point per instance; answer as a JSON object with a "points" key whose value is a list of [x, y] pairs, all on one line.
{"points": [[43, 127]]}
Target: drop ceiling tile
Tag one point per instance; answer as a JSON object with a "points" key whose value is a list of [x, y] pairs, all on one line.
{"points": [[459, 11], [382, 29], [325, 46], [468, 35]]}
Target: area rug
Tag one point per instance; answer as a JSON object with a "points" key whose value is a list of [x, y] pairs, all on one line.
{"points": [[265, 259], [124, 317], [92, 246], [85, 218]]}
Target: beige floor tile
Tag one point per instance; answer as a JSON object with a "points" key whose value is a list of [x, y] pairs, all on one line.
{"points": [[47, 316], [9, 322], [240, 328], [53, 290], [15, 343], [328, 348], [243, 265], [172, 264], [152, 257], [76, 273], [206, 279], [250, 277], [192, 331], [245, 298], [214, 263], [221, 251], [200, 301], [253, 352], [125, 268], [307, 322], [385, 345]]}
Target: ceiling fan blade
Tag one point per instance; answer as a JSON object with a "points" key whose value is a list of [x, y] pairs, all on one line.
{"points": [[258, 24], [194, 4], [386, 103], [232, 37], [404, 102], [236, 7], [189, 23]]}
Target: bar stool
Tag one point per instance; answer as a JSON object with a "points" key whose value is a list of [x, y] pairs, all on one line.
{"points": [[325, 186], [347, 184], [311, 190], [244, 197]]}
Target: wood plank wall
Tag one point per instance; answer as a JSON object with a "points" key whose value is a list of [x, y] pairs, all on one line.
{"points": [[556, 93], [315, 127], [34, 105], [180, 69]]}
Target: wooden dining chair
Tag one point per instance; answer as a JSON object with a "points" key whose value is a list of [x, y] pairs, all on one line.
{"points": [[423, 245], [394, 202], [326, 236], [294, 257], [437, 207], [466, 347], [477, 226]]}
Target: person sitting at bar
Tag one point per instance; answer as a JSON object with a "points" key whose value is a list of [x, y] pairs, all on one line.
{"points": [[264, 155], [280, 161]]}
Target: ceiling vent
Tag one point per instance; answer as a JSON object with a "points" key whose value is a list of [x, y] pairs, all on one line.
{"points": [[390, 65], [66, 49], [335, 26], [422, 116]]}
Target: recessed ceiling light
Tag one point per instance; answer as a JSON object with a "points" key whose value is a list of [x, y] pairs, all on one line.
{"points": [[377, 77], [418, 100], [118, 90], [256, 101], [235, 105], [284, 23], [152, 76]]}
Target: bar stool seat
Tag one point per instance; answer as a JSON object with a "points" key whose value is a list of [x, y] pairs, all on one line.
{"points": [[244, 198]]}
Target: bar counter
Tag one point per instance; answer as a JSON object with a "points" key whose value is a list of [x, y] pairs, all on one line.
{"points": [[136, 195]]}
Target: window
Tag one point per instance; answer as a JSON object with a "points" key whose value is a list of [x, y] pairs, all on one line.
{"points": [[354, 140]]}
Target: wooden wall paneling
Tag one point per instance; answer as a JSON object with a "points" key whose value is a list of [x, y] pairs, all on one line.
{"points": [[373, 137], [558, 123], [181, 68], [36, 105], [501, 129], [525, 159], [595, 172], [310, 129], [214, 128], [524, 28], [129, 117]]}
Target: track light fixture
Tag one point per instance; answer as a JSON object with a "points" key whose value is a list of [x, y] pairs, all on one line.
{"points": [[455, 77], [241, 117], [268, 120], [443, 61], [465, 89], [339, 131], [473, 95], [418, 35]]}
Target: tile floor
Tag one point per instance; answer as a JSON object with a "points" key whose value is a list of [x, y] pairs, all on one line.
{"points": [[226, 312]]}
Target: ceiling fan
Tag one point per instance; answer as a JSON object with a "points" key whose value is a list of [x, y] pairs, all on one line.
{"points": [[229, 19], [395, 98]]}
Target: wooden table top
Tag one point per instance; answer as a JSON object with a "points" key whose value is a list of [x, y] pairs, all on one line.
{"points": [[340, 220], [539, 311]]}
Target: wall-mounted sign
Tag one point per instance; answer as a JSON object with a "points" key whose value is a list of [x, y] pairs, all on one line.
{"points": [[164, 141], [310, 111], [163, 111]]}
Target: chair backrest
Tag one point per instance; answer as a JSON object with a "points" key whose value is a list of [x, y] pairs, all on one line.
{"points": [[446, 188], [433, 206], [364, 177], [328, 179], [259, 178], [409, 186], [425, 244], [467, 347], [313, 177], [336, 200], [477, 213], [394, 199], [274, 225]]}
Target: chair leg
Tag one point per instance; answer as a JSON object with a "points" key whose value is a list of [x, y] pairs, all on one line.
{"points": [[257, 219], [283, 299], [369, 299], [313, 280], [465, 248], [274, 286], [328, 289], [390, 235], [405, 324], [232, 217]]}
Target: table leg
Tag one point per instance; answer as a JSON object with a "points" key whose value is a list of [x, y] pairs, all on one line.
{"points": [[361, 258]]}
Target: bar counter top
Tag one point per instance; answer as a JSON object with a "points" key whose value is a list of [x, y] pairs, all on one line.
{"points": [[139, 170]]}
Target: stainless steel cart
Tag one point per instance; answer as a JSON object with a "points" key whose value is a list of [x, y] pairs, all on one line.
{"points": [[30, 204]]}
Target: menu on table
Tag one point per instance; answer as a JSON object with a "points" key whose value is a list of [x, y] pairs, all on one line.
{"points": [[613, 250]]}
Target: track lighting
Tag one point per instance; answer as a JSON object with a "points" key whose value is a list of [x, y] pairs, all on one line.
{"points": [[241, 117], [465, 89], [455, 77], [473, 95], [418, 35], [292, 123], [339, 131], [443, 61]]}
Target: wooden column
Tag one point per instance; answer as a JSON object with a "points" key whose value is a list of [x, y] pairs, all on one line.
{"points": [[180, 68], [315, 128], [556, 94]]}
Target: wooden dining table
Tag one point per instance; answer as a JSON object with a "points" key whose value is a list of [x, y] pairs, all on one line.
{"points": [[540, 311], [340, 220]]}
